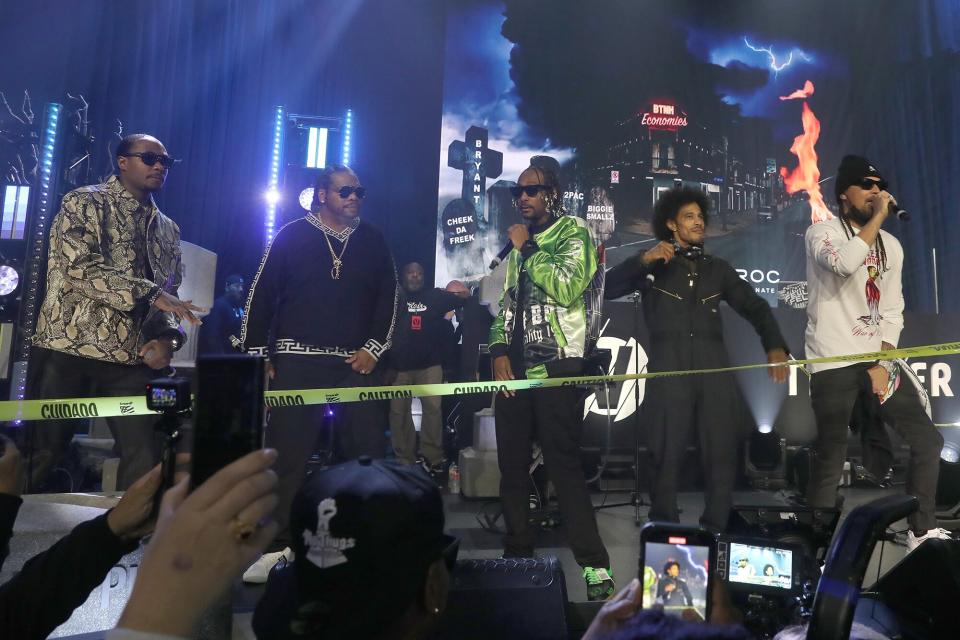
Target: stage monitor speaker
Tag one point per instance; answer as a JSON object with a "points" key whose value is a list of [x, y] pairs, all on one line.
{"points": [[923, 589], [506, 598]]}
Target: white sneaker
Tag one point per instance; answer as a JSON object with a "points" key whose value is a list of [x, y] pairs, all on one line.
{"points": [[257, 572], [932, 534]]}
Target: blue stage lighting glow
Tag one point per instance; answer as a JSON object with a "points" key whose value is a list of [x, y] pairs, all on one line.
{"points": [[272, 194], [347, 132], [38, 232]]}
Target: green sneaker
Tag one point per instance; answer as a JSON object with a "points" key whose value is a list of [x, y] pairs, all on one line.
{"points": [[600, 585]]}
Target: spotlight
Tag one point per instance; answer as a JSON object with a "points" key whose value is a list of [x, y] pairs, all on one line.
{"points": [[950, 453], [9, 280], [766, 459], [306, 198], [272, 196]]}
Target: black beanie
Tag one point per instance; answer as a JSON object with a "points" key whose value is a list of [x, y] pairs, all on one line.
{"points": [[852, 170]]}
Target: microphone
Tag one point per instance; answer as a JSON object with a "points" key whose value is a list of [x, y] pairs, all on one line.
{"points": [[902, 214], [500, 256], [654, 266]]}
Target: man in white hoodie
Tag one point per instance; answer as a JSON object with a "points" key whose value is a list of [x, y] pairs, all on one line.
{"points": [[856, 305]]}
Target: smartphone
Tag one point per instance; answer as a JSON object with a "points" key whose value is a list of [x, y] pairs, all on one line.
{"points": [[676, 569], [761, 566], [228, 421]]}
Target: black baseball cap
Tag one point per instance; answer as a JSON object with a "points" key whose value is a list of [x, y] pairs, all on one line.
{"points": [[852, 170], [364, 533]]}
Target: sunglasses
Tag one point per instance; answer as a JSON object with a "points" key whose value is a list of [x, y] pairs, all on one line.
{"points": [[150, 158], [344, 192], [531, 190], [867, 184]]}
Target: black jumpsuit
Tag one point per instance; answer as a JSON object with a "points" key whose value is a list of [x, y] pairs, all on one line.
{"points": [[681, 310]]}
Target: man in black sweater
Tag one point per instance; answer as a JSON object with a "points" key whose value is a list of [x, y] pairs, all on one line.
{"points": [[322, 308], [417, 357], [682, 290]]}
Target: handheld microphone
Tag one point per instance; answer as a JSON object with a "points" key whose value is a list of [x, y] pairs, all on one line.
{"points": [[654, 266], [500, 256], [902, 214]]}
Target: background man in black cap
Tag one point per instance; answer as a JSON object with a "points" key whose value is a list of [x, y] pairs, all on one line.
{"points": [[856, 306], [225, 319], [372, 560]]}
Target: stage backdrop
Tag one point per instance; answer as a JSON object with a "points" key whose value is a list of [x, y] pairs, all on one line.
{"points": [[753, 102]]}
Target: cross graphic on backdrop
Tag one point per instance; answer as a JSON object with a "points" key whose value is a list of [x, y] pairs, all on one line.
{"points": [[478, 162]]}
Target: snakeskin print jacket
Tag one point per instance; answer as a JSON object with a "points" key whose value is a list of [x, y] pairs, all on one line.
{"points": [[110, 257]]}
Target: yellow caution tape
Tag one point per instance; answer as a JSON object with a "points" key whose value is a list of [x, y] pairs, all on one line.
{"points": [[65, 408]]}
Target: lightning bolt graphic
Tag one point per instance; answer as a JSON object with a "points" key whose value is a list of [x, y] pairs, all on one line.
{"points": [[777, 68], [690, 559]]}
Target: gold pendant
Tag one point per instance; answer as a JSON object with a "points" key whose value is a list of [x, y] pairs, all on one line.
{"points": [[335, 271]]}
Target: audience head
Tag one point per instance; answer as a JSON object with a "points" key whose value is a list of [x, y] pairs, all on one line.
{"points": [[233, 288], [412, 277], [371, 558]]}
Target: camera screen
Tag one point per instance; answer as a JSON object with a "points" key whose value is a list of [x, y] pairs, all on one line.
{"points": [[675, 576], [763, 566], [162, 398]]}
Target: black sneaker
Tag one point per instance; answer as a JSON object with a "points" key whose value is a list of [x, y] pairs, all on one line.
{"points": [[437, 471], [600, 585]]}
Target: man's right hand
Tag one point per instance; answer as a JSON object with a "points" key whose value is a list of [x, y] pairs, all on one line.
{"points": [[662, 251], [503, 371], [11, 468], [880, 204], [180, 308]]}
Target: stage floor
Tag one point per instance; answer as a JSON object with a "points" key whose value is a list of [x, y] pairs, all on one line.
{"points": [[45, 518]]}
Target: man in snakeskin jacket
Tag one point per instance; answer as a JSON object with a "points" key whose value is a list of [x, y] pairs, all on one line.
{"points": [[110, 319]]}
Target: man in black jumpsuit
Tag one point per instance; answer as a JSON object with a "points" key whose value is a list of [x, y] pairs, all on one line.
{"points": [[682, 290]]}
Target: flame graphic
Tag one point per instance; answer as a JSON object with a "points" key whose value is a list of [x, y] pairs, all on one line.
{"points": [[806, 175]]}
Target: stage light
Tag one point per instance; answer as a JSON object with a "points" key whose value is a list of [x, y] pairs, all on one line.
{"points": [[766, 459], [347, 134], [950, 453], [9, 280], [317, 147], [34, 261], [273, 185]]}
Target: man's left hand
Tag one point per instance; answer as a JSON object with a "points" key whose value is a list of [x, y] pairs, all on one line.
{"points": [[779, 374], [519, 233], [157, 354], [130, 519], [362, 362]]}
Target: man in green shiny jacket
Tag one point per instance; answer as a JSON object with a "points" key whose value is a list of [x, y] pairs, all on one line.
{"points": [[541, 330]]}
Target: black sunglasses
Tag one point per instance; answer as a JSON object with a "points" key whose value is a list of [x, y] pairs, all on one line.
{"points": [[344, 192], [531, 190], [866, 184], [150, 158]]}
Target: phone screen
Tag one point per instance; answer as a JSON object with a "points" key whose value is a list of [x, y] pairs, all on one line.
{"points": [[229, 416], [763, 566], [676, 576]]}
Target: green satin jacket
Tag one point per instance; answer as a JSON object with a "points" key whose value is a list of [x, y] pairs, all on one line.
{"points": [[560, 267]]}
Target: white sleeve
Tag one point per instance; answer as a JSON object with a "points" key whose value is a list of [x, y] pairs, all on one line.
{"points": [[832, 250], [891, 292]]}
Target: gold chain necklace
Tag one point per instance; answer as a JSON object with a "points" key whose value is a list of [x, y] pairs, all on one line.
{"points": [[337, 259]]}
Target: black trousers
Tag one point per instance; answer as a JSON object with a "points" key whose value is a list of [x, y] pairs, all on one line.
{"points": [[833, 393], [554, 418], [672, 409], [360, 427], [62, 375]]}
